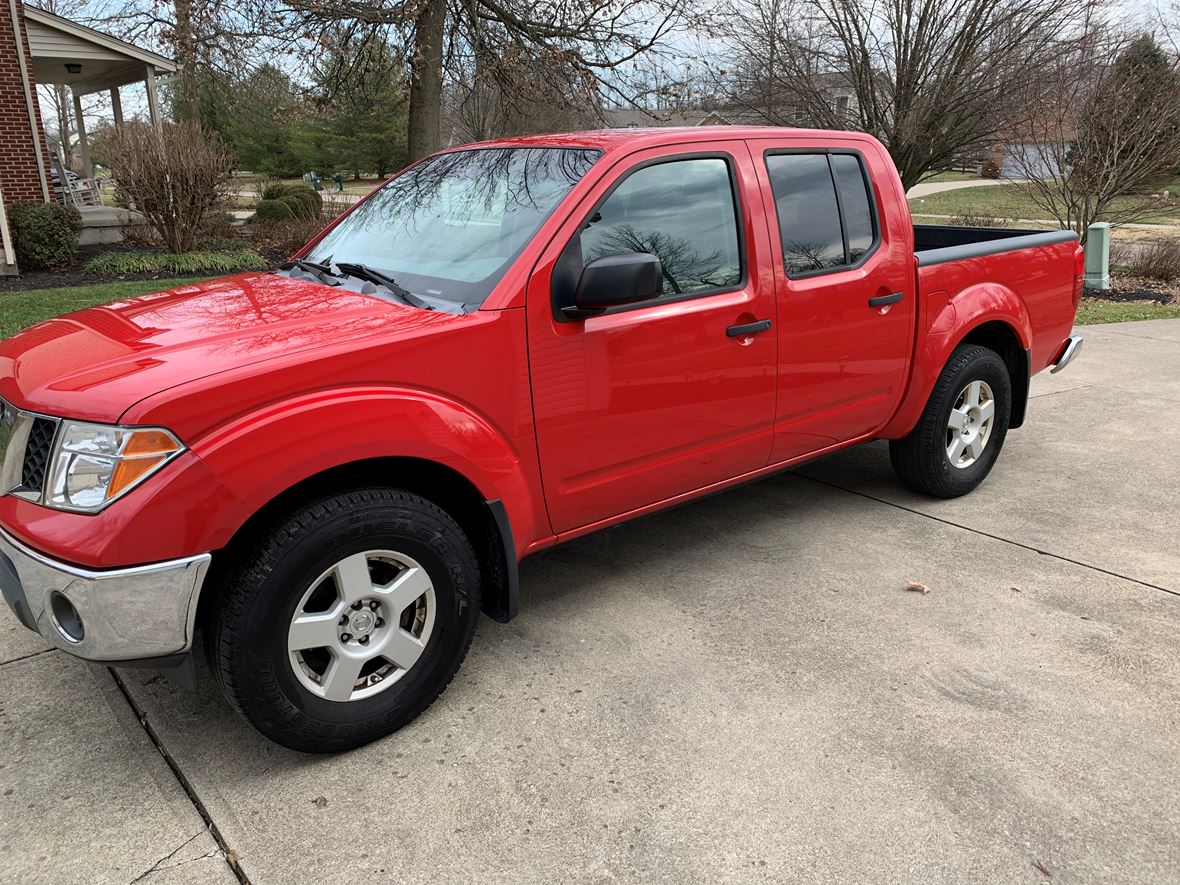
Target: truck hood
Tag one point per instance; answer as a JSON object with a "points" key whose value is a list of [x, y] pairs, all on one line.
{"points": [[96, 363]]}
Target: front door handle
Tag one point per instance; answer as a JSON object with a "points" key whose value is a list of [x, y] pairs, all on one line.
{"points": [[883, 300], [746, 329]]}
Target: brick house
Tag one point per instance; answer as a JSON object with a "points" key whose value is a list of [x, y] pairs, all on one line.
{"points": [[40, 47]]}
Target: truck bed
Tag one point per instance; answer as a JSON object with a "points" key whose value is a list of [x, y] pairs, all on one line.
{"points": [[1035, 270], [938, 243]]}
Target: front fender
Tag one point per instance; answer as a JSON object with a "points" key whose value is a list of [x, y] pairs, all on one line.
{"points": [[262, 454], [948, 321]]}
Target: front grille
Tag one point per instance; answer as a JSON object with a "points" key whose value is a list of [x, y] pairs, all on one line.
{"points": [[37, 454]]}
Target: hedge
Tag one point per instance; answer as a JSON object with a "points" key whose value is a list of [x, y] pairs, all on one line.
{"points": [[305, 201], [179, 263], [45, 235], [273, 210], [304, 204]]}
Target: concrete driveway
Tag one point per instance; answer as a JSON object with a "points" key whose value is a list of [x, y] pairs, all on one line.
{"points": [[927, 188], [739, 690]]}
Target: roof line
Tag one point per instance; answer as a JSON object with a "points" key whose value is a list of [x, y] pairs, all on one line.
{"points": [[90, 35]]}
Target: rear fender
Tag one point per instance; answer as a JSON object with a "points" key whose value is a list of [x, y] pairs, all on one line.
{"points": [[948, 322]]}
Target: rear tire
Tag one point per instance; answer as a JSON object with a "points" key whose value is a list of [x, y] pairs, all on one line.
{"points": [[346, 620], [962, 430]]}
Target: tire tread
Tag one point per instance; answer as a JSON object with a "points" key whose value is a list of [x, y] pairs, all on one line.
{"points": [[226, 628], [918, 457]]}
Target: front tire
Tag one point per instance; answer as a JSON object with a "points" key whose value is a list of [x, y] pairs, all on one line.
{"points": [[346, 620], [962, 430]]}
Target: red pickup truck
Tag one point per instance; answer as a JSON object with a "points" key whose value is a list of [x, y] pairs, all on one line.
{"points": [[333, 468]]}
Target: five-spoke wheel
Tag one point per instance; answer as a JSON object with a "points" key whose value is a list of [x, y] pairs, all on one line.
{"points": [[361, 625], [970, 424]]}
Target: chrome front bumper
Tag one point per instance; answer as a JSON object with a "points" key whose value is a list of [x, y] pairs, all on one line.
{"points": [[125, 614], [1073, 346]]}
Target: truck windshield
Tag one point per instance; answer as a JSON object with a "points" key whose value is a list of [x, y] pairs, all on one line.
{"points": [[450, 227]]}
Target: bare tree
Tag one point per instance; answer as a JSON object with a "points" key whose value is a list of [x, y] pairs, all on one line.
{"points": [[594, 38], [1103, 129], [510, 90], [175, 174], [930, 78], [225, 37]]}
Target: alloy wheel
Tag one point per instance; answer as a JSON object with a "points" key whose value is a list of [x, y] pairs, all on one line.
{"points": [[361, 625]]}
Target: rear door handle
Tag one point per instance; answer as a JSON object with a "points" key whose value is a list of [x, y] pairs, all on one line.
{"points": [[747, 329], [882, 300]]}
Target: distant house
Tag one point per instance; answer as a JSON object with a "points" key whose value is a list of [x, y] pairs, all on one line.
{"points": [[637, 118], [752, 109], [1037, 149]]}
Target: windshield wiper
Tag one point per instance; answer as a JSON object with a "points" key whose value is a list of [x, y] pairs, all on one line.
{"points": [[364, 272], [315, 269]]}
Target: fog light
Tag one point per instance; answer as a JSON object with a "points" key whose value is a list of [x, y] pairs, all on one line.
{"points": [[66, 617]]}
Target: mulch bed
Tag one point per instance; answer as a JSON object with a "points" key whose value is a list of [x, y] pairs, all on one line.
{"points": [[74, 276], [1128, 288]]}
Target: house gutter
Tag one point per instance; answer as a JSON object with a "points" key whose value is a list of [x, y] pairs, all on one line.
{"points": [[29, 106]]}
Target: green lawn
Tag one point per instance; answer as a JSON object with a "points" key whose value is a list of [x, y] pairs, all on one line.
{"points": [[19, 310], [1094, 311], [1011, 201]]}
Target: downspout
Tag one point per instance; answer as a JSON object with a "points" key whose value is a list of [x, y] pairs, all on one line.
{"points": [[32, 109], [7, 253]]}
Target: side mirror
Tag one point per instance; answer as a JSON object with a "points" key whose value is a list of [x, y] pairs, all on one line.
{"points": [[611, 280]]}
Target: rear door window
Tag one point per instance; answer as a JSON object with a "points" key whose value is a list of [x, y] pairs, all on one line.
{"points": [[855, 208], [824, 208]]}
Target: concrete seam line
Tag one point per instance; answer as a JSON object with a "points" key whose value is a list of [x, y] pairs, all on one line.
{"points": [[1059, 392], [34, 654], [226, 852], [1029, 547]]}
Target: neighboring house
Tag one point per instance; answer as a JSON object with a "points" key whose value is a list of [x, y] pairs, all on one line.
{"points": [[1036, 149], [638, 118], [1029, 159], [760, 105]]}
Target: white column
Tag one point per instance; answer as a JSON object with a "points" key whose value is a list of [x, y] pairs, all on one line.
{"points": [[83, 144], [152, 96], [116, 106]]}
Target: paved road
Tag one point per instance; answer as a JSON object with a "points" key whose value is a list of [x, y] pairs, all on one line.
{"points": [[735, 691]]}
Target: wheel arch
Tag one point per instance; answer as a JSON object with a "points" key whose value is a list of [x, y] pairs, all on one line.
{"points": [[485, 522], [990, 315], [1002, 337]]}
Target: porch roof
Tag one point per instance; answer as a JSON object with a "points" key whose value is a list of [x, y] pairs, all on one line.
{"points": [[105, 62]]}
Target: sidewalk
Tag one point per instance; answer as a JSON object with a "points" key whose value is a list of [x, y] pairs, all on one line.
{"points": [[927, 188]]}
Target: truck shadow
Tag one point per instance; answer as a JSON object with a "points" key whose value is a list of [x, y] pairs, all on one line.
{"points": [[737, 518]]}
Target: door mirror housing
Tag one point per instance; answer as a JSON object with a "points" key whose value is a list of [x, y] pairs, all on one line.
{"points": [[613, 280]]}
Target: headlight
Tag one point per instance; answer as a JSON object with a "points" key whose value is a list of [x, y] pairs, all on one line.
{"points": [[93, 464]]}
